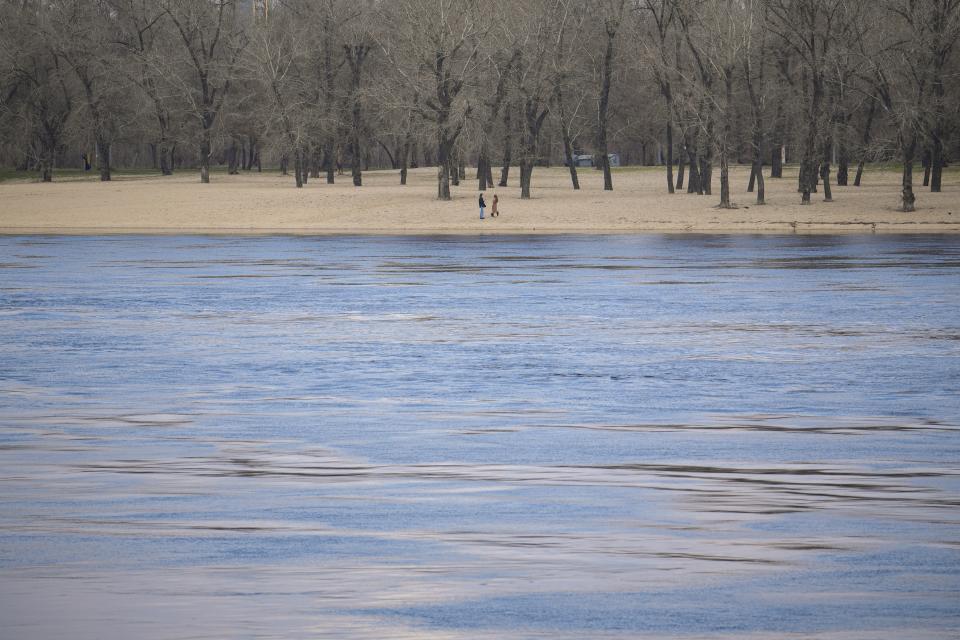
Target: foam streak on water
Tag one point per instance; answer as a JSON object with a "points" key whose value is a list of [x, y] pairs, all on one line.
{"points": [[445, 438]]}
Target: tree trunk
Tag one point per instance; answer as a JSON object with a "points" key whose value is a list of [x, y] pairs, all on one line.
{"points": [[482, 170], [809, 169], [925, 163], [843, 169], [777, 135], [680, 166], [908, 197], [535, 114], [825, 179], [761, 193], [706, 176], [759, 131], [865, 140], [165, 158], [443, 168], [316, 160], [706, 158], [298, 171], [443, 181], [102, 143], [526, 172], [355, 166], [454, 171], [724, 180], [233, 155], [694, 184], [405, 149], [567, 142], [404, 160], [936, 165], [670, 188], [507, 150], [47, 158], [103, 159], [607, 73], [825, 170], [729, 115], [356, 56], [937, 133], [328, 160], [205, 156], [776, 161], [571, 162]]}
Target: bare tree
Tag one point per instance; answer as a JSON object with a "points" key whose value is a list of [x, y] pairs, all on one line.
{"points": [[810, 29], [539, 26], [326, 83], [356, 55], [36, 95], [661, 15], [905, 72], [276, 58], [213, 40], [611, 12], [143, 41], [942, 32], [731, 25], [566, 54], [754, 65], [435, 43], [500, 66], [86, 43], [702, 100]]}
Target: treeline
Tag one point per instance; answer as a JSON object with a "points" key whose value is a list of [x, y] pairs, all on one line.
{"points": [[322, 86]]}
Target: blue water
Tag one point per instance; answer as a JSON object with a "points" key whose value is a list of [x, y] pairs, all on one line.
{"points": [[480, 437]]}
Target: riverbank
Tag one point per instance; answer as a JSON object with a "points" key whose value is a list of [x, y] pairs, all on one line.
{"points": [[268, 203]]}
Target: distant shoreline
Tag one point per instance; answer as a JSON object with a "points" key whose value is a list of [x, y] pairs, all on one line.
{"points": [[784, 229], [268, 204]]}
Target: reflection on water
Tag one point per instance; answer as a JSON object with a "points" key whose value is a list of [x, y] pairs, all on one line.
{"points": [[536, 437]]}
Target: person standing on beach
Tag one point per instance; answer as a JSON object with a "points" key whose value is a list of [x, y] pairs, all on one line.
{"points": [[483, 205], [493, 209]]}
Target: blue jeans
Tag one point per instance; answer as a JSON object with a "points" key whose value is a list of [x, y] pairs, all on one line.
{"points": [[481, 213]]}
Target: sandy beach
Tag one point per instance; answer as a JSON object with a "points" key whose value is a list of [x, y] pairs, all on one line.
{"points": [[268, 203]]}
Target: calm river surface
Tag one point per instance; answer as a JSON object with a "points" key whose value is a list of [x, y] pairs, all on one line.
{"points": [[478, 437]]}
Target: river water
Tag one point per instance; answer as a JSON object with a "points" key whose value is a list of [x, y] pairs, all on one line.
{"points": [[480, 437]]}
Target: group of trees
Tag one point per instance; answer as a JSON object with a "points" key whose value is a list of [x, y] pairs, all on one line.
{"points": [[318, 85]]}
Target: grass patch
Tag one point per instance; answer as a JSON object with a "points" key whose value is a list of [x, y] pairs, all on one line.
{"points": [[636, 168], [79, 175], [74, 175]]}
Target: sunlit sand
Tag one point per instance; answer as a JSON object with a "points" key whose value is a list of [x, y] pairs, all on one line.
{"points": [[268, 202]]}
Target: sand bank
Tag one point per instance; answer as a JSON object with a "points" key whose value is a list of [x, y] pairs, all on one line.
{"points": [[268, 203]]}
